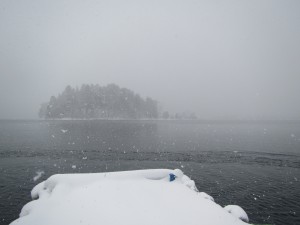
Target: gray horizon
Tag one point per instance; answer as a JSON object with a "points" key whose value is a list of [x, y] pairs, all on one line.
{"points": [[223, 60]]}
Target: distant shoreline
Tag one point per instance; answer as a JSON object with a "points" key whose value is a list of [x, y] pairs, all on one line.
{"points": [[160, 119]]}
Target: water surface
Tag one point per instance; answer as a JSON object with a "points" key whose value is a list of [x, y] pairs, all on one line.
{"points": [[252, 164]]}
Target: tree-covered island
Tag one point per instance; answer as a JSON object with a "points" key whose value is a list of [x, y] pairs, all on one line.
{"points": [[99, 102]]}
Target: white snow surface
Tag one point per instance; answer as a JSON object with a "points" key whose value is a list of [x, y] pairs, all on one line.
{"points": [[142, 197], [237, 211]]}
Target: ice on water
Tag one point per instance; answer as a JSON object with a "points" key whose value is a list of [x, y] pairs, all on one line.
{"points": [[38, 175]]}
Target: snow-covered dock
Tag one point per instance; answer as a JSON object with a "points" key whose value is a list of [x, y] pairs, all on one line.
{"points": [[142, 197]]}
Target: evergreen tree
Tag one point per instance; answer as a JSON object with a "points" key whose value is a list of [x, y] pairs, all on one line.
{"points": [[94, 101]]}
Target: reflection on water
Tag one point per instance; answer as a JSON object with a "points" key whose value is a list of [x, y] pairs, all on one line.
{"points": [[254, 165]]}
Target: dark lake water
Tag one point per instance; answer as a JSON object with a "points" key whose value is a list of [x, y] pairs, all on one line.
{"points": [[252, 164]]}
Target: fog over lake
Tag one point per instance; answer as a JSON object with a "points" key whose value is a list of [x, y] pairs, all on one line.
{"points": [[207, 90], [219, 59]]}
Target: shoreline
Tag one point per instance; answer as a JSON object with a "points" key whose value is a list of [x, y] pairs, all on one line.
{"points": [[204, 121]]}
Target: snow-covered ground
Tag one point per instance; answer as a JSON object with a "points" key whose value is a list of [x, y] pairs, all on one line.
{"points": [[142, 197]]}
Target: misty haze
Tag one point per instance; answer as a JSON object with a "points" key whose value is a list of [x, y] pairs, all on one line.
{"points": [[198, 99]]}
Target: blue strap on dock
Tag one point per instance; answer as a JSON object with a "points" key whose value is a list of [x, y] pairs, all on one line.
{"points": [[172, 177]]}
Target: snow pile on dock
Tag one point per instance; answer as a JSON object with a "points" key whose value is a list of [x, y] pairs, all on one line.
{"points": [[143, 197]]}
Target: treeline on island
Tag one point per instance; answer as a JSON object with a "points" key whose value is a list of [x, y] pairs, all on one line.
{"points": [[99, 102]]}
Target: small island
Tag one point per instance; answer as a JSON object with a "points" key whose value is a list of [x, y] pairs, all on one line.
{"points": [[99, 102]]}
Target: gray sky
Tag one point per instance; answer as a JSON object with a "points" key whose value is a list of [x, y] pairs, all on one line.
{"points": [[221, 59]]}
